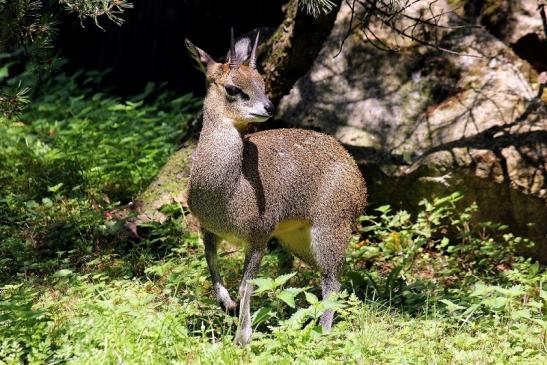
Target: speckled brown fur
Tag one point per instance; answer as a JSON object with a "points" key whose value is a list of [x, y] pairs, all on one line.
{"points": [[297, 185]]}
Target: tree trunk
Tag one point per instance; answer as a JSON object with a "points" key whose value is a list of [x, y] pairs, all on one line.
{"points": [[293, 48], [287, 55]]}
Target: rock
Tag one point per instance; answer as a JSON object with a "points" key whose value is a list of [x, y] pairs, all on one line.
{"points": [[517, 19], [168, 187], [424, 122], [518, 24]]}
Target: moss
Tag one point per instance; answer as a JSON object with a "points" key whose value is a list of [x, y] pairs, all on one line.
{"points": [[171, 183]]}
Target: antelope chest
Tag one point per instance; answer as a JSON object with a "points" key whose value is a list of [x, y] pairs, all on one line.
{"points": [[221, 218]]}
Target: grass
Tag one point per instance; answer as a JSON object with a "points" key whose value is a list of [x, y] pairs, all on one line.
{"points": [[94, 318], [436, 288]]}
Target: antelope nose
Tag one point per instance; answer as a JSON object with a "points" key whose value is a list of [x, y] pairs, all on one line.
{"points": [[269, 107]]}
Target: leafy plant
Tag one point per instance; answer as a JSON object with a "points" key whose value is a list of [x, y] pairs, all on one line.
{"points": [[395, 242], [72, 156]]}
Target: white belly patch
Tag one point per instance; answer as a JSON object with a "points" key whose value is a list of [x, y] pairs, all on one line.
{"points": [[295, 235]]}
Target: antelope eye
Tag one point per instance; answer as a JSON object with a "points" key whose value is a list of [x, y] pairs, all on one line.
{"points": [[232, 90], [235, 91]]}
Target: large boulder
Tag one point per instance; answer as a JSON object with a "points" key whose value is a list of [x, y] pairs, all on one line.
{"points": [[517, 23], [522, 19], [425, 122]]}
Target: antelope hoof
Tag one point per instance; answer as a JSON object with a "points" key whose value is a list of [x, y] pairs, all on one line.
{"points": [[243, 337], [226, 302], [231, 308]]}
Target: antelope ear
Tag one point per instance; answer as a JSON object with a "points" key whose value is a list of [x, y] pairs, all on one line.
{"points": [[202, 58]]}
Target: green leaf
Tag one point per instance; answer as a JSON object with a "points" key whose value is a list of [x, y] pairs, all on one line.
{"points": [[383, 209], [281, 280], [356, 278], [121, 107], [31, 204], [535, 304], [62, 273], [331, 303], [481, 290], [521, 314], [263, 284], [261, 315], [4, 71], [450, 306], [300, 316], [54, 188], [496, 303], [370, 228], [392, 277], [534, 269], [47, 202], [311, 298], [444, 242], [366, 217], [407, 157], [287, 296], [514, 291]]}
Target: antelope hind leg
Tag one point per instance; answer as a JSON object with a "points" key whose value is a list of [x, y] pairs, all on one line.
{"points": [[253, 256], [329, 244]]}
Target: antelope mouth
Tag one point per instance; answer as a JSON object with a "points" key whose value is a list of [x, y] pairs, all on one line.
{"points": [[260, 117]]}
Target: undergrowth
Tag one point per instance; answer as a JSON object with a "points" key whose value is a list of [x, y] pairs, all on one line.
{"points": [[70, 157], [437, 287]]}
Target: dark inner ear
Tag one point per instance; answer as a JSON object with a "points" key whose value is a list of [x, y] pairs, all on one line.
{"points": [[202, 58]]}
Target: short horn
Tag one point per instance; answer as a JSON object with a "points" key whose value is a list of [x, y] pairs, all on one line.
{"points": [[233, 57], [252, 62]]}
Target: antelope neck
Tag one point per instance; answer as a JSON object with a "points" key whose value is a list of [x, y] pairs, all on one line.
{"points": [[218, 156]]}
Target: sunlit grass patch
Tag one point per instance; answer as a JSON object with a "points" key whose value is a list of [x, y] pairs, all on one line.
{"points": [[91, 319]]}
